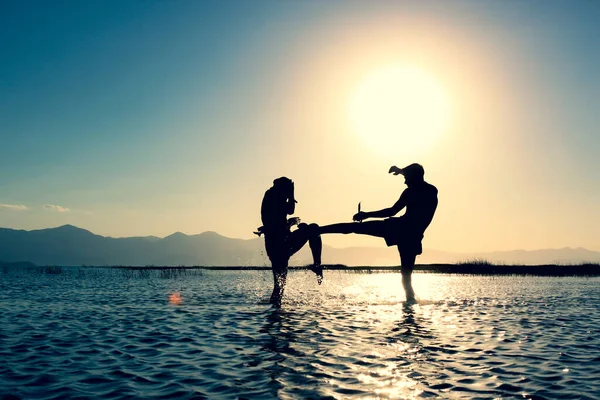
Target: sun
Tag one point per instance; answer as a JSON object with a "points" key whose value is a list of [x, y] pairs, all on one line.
{"points": [[399, 111]]}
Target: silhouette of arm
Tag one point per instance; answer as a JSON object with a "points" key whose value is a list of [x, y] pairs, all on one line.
{"points": [[387, 212], [275, 208], [383, 213], [290, 205]]}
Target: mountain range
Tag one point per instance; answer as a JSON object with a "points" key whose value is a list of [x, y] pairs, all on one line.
{"points": [[73, 246]]}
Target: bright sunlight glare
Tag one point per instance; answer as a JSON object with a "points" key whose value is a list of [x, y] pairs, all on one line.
{"points": [[399, 110]]}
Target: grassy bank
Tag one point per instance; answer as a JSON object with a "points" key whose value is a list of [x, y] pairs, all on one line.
{"points": [[466, 268]]}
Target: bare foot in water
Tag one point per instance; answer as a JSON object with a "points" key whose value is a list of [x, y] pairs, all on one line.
{"points": [[318, 269]]}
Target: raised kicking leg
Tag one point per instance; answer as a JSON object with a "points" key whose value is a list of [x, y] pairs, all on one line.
{"points": [[378, 229], [371, 228], [308, 233]]}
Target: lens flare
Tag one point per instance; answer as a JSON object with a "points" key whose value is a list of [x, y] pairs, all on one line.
{"points": [[175, 298]]}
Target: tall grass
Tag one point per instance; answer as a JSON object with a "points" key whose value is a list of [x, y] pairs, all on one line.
{"points": [[51, 270], [151, 272], [477, 262]]}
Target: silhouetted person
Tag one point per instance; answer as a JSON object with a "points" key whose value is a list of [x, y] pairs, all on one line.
{"points": [[280, 242], [406, 231]]}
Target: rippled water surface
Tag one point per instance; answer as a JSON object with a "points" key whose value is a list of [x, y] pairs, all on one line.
{"points": [[105, 333]]}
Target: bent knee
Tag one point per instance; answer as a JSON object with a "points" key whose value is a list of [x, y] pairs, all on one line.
{"points": [[312, 229]]}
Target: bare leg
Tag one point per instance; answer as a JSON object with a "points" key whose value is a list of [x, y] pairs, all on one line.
{"points": [[407, 262], [310, 234], [316, 247], [299, 238], [344, 227], [279, 281], [371, 228]]}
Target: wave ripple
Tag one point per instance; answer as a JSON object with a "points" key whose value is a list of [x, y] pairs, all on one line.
{"points": [[111, 336]]}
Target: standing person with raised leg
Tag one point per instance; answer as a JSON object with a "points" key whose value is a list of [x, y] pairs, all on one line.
{"points": [[280, 242], [405, 232]]}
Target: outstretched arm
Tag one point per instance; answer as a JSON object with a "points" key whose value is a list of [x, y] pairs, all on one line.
{"points": [[383, 213]]}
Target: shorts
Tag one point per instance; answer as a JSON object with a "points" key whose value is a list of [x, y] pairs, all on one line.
{"points": [[398, 233]]}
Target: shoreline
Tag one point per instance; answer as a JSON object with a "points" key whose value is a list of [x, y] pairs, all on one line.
{"points": [[468, 268], [585, 269]]}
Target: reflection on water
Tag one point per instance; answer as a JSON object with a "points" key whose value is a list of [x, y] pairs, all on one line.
{"points": [[338, 370], [103, 334]]}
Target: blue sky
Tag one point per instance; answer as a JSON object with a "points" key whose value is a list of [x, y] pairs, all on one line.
{"points": [[150, 117]]}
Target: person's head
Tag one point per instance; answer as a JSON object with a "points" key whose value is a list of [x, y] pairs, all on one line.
{"points": [[285, 186], [413, 174]]}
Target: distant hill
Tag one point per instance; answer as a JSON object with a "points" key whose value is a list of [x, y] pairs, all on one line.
{"points": [[17, 264], [70, 245]]}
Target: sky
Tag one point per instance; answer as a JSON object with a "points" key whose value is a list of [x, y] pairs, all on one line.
{"points": [[137, 118]]}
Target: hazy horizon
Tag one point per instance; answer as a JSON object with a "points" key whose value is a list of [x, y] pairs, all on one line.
{"points": [[341, 247], [145, 118]]}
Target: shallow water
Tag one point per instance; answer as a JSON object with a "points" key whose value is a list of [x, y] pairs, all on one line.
{"points": [[105, 333]]}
